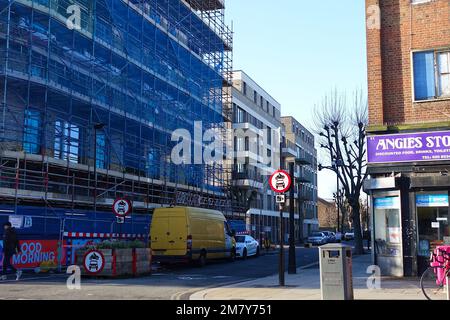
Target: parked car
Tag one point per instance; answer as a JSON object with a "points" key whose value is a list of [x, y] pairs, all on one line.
{"points": [[246, 246], [331, 237], [317, 238], [190, 235], [349, 236]]}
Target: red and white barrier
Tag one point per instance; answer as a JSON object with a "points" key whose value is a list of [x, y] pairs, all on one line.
{"points": [[104, 235]]}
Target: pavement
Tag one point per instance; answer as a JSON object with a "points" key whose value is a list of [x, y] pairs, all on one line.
{"points": [[305, 285]]}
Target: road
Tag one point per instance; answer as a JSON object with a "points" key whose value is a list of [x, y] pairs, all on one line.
{"points": [[175, 282]]}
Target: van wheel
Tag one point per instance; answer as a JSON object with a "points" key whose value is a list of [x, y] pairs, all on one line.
{"points": [[201, 262], [244, 254]]}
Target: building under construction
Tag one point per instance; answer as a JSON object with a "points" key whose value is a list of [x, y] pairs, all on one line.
{"points": [[90, 93]]}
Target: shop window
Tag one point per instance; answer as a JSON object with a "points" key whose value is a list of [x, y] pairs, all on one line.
{"points": [[432, 221], [388, 235]]}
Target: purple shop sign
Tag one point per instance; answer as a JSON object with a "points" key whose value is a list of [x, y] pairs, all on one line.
{"points": [[409, 147]]}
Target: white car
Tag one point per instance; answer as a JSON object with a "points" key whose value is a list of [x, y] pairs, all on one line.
{"points": [[349, 236], [246, 246], [317, 238]]}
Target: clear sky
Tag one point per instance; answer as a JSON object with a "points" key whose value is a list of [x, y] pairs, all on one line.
{"points": [[298, 50]]}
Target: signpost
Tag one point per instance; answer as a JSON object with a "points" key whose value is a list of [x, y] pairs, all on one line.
{"points": [[94, 262], [280, 182], [122, 208]]}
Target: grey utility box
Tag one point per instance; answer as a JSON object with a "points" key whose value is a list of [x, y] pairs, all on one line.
{"points": [[336, 282]]}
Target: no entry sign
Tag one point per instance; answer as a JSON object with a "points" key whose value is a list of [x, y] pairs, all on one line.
{"points": [[122, 207], [280, 181]]}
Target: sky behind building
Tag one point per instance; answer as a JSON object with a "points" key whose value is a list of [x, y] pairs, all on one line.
{"points": [[300, 50]]}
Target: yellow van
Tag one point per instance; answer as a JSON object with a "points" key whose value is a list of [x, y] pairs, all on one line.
{"points": [[191, 235]]}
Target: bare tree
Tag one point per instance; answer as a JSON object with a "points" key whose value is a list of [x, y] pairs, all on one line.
{"points": [[341, 127]]}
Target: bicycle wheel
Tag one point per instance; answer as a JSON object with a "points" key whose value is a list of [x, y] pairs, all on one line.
{"points": [[431, 287]]}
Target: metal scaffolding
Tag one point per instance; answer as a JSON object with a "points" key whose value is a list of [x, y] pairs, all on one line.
{"points": [[87, 112]]}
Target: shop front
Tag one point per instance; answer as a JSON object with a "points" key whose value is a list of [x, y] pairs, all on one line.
{"points": [[409, 190]]}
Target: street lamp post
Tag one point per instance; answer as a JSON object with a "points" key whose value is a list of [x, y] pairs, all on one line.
{"points": [[336, 164], [97, 126]]}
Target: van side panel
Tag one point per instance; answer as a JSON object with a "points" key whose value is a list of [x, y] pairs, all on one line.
{"points": [[207, 230], [169, 232], [171, 228]]}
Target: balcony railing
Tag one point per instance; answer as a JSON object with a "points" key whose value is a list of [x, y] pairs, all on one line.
{"points": [[305, 176], [289, 149], [246, 175], [304, 158]]}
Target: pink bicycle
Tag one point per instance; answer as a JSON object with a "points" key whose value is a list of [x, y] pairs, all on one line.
{"points": [[434, 279]]}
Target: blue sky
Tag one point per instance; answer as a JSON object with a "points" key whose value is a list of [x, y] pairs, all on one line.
{"points": [[298, 50]]}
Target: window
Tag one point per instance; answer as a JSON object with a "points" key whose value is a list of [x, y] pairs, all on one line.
{"points": [[444, 73], [31, 131], [67, 140], [255, 97], [245, 88], [431, 75], [239, 144], [273, 111], [240, 115], [100, 158], [153, 161], [267, 106], [261, 101]]}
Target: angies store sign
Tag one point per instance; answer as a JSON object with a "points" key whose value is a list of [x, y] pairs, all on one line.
{"points": [[34, 252], [411, 147]]}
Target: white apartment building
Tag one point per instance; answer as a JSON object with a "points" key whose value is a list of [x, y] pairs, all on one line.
{"points": [[257, 132]]}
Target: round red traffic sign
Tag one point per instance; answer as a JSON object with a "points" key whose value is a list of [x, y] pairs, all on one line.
{"points": [[94, 261], [121, 207], [280, 181]]}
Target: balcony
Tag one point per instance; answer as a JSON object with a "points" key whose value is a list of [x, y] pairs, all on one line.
{"points": [[305, 194], [305, 176], [303, 158], [247, 179], [289, 149]]}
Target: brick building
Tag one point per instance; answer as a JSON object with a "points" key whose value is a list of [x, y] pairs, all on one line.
{"points": [[408, 53], [327, 214]]}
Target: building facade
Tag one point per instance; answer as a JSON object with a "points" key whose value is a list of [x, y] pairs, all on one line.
{"points": [[256, 126], [298, 148], [327, 214], [408, 52], [90, 94]]}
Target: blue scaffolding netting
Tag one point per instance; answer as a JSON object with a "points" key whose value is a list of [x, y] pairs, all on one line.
{"points": [[91, 91]]}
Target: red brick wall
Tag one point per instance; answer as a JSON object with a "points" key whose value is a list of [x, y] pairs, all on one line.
{"points": [[404, 28]]}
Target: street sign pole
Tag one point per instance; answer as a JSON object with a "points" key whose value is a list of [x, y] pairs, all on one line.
{"points": [[281, 182], [281, 263], [292, 266]]}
